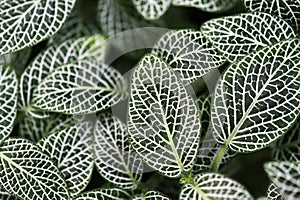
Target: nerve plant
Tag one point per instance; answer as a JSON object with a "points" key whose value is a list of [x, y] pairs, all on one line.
{"points": [[58, 97]]}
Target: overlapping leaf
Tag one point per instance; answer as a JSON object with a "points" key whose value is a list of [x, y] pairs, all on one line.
{"points": [[287, 148], [6, 196], [8, 100], [286, 177], [70, 51], [151, 195], [286, 9], [214, 6], [24, 23], [104, 194], [189, 53], [71, 150], [257, 99], [273, 194], [28, 173], [150, 9], [86, 87], [237, 36], [114, 157], [163, 119], [214, 186]]}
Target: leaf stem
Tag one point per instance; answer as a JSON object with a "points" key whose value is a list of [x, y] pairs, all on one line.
{"points": [[219, 157]]}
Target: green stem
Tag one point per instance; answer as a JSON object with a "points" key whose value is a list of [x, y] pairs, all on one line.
{"points": [[219, 157]]}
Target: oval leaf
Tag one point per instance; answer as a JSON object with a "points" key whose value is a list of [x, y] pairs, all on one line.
{"points": [[28, 173], [25, 23], [285, 175], [8, 100], [151, 195], [104, 194], [237, 36], [189, 53], [273, 194], [114, 157], [286, 9], [214, 186], [71, 150], [152, 10], [162, 114], [86, 87], [70, 51], [248, 105]]}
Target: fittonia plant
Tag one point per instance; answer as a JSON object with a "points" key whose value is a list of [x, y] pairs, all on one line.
{"points": [[64, 135]]}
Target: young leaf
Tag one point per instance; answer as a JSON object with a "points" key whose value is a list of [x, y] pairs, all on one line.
{"points": [[35, 129], [189, 53], [273, 193], [287, 148], [28, 173], [285, 175], [214, 6], [8, 100], [151, 195], [114, 157], [71, 150], [25, 23], [86, 87], [214, 186], [152, 10], [257, 99], [237, 36], [70, 51], [163, 119], [104, 194], [286, 9]]}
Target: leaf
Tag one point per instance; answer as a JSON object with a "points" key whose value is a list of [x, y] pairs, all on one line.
{"points": [[114, 157], [35, 129], [239, 35], [257, 99], [151, 195], [214, 186], [189, 53], [70, 51], [104, 194], [8, 100], [26, 23], [213, 6], [6, 196], [285, 9], [162, 115], [152, 10], [71, 150], [273, 193], [287, 148], [285, 175], [28, 173], [86, 87]]}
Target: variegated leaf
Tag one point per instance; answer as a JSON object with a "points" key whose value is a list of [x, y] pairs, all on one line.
{"points": [[237, 36], [70, 51], [6, 196], [152, 9], [214, 186], [286, 177], [214, 6], [286, 9], [273, 194], [151, 195], [257, 99], [8, 100], [71, 150], [114, 157], [24, 23], [163, 119], [104, 194], [189, 53], [83, 88], [28, 173]]}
